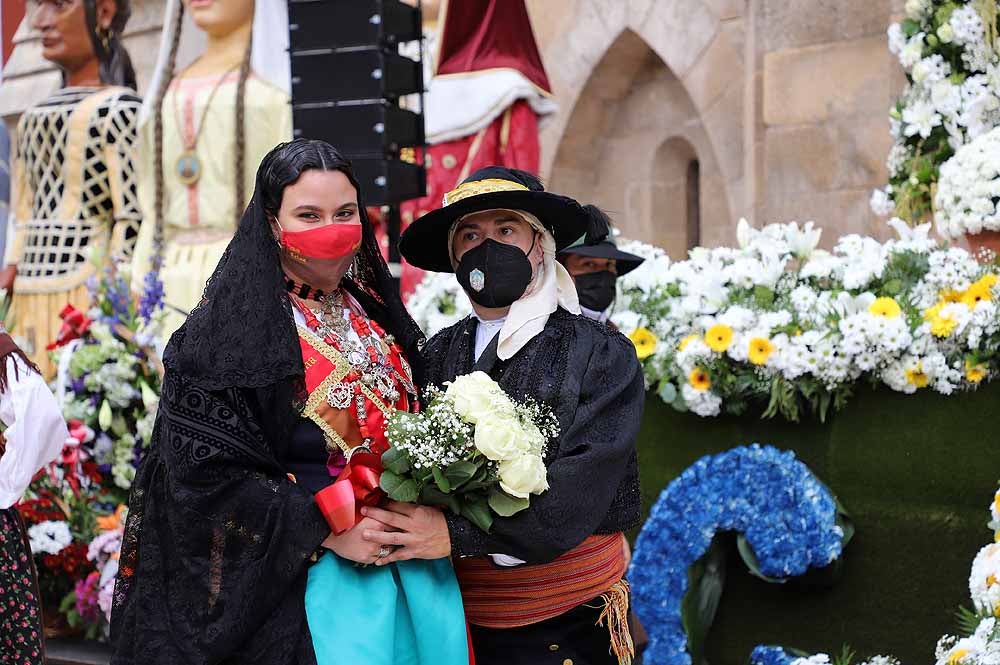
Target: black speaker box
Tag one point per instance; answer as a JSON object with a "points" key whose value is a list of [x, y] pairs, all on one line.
{"points": [[359, 128], [317, 24], [362, 73]]}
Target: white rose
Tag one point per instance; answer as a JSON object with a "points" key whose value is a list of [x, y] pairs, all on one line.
{"points": [[475, 396], [523, 475], [500, 438], [946, 34]]}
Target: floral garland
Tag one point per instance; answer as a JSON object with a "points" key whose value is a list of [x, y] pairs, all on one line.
{"points": [[778, 326], [948, 49], [968, 191], [108, 383], [789, 519]]}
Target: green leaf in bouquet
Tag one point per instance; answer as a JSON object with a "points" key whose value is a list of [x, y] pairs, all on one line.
{"points": [[504, 504], [477, 511], [396, 461], [439, 479], [481, 479], [399, 488], [430, 495], [460, 472]]}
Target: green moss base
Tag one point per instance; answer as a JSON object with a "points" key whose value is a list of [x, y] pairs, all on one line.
{"points": [[917, 474]]}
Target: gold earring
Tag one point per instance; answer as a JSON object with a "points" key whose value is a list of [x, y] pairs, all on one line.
{"points": [[105, 35]]}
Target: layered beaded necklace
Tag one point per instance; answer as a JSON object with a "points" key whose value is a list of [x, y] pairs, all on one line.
{"points": [[365, 351]]}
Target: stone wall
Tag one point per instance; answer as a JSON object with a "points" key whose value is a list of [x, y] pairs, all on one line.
{"points": [[784, 103]]}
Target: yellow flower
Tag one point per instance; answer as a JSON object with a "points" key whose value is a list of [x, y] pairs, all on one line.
{"points": [[979, 291], [719, 337], [941, 326], [916, 377], [885, 307], [975, 373], [699, 379], [957, 655], [760, 350], [644, 341], [951, 295], [687, 340], [996, 501]]}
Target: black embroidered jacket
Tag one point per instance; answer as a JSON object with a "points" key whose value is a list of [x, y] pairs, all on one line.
{"points": [[589, 375]]}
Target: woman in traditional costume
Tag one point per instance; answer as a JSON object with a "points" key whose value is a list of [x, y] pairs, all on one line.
{"points": [[219, 102], [34, 436], [244, 540], [546, 583], [74, 183]]}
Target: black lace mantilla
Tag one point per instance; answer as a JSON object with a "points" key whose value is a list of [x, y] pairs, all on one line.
{"points": [[590, 376], [218, 538]]}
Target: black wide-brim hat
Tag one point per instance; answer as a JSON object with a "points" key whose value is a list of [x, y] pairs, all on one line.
{"points": [[606, 249], [424, 243]]}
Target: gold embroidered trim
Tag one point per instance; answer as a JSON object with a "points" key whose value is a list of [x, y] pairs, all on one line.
{"points": [[318, 397], [477, 187]]}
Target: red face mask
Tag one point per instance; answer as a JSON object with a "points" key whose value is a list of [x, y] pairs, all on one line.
{"points": [[320, 257]]}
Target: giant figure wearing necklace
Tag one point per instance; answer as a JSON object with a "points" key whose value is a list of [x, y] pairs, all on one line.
{"points": [[218, 102], [74, 187]]}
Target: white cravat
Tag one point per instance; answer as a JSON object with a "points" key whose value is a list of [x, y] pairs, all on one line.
{"points": [[36, 431], [485, 332]]}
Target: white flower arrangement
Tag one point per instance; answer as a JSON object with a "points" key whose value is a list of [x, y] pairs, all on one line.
{"points": [[438, 302], [49, 537], [948, 50], [968, 191], [779, 324]]}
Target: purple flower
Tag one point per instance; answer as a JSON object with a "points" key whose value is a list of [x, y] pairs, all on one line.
{"points": [[152, 296], [86, 598]]}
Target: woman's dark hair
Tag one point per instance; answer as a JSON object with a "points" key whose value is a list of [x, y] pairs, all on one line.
{"points": [[115, 63], [242, 334]]}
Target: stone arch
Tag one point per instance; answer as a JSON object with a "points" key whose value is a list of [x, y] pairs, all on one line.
{"points": [[649, 65]]}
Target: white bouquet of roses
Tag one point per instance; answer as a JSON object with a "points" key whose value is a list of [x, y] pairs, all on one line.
{"points": [[473, 450]]}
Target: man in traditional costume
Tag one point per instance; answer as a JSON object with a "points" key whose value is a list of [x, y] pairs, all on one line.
{"points": [[34, 436], [218, 102], [547, 583], [595, 263], [75, 203], [488, 89]]}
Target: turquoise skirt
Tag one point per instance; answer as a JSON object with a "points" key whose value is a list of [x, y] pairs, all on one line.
{"points": [[406, 613]]}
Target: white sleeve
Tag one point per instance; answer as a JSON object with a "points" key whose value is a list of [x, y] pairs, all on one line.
{"points": [[36, 431]]}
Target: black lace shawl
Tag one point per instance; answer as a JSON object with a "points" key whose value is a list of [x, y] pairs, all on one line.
{"points": [[589, 375], [218, 539]]}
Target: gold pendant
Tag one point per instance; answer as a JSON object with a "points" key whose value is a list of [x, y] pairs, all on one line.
{"points": [[188, 168]]}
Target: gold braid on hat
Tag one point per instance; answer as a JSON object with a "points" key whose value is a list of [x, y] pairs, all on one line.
{"points": [[477, 187]]}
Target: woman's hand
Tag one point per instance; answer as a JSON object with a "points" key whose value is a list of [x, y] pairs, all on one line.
{"points": [[352, 545], [417, 532]]}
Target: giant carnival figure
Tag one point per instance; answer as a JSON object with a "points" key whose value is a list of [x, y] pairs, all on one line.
{"points": [[218, 102], [74, 191], [485, 98]]}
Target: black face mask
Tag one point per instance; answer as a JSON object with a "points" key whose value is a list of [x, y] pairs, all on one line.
{"points": [[494, 274], [596, 289]]}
